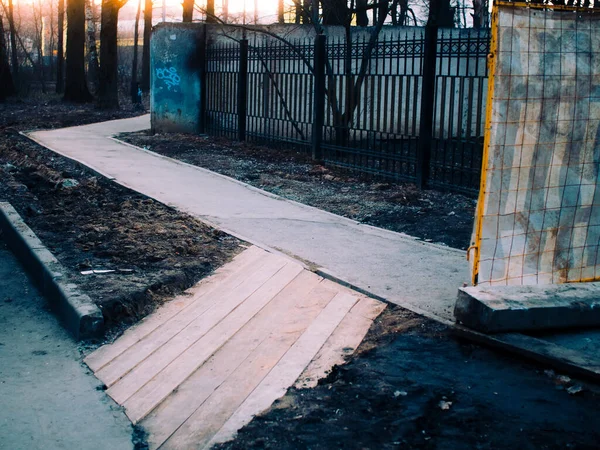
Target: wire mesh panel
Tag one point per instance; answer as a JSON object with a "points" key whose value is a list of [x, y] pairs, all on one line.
{"points": [[372, 106], [539, 210], [222, 69], [461, 91], [280, 92]]}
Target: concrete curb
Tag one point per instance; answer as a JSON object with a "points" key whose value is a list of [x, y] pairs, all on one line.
{"points": [[76, 309]]}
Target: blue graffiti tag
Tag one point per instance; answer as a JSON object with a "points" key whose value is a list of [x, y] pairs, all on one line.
{"points": [[170, 76]]}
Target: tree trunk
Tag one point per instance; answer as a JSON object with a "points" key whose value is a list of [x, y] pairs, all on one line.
{"points": [[188, 10], [108, 92], [145, 85], [210, 11], [336, 12], [38, 23], [13, 39], [60, 58], [477, 13], [298, 11], [7, 87], [280, 12], [362, 19], [446, 15], [76, 89], [307, 11], [51, 40], [92, 55], [135, 98]]}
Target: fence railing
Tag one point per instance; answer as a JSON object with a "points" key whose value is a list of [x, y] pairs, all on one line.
{"points": [[357, 105]]}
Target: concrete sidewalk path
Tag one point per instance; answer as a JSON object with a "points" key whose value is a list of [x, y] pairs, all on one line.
{"points": [[411, 273], [48, 399]]}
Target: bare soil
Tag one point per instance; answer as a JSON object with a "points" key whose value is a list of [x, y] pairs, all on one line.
{"points": [[49, 111], [434, 216], [91, 223], [413, 385]]}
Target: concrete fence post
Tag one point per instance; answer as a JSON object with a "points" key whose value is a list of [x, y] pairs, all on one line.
{"points": [[242, 90], [319, 97]]}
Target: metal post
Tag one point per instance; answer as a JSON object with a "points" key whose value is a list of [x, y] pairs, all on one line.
{"points": [[319, 97], [242, 90], [427, 96], [202, 79]]}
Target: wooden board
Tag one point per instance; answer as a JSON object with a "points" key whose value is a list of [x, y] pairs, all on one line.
{"points": [[137, 353], [178, 407], [136, 333], [202, 366], [290, 367]]}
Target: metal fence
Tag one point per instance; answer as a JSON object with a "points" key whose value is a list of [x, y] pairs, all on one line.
{"points": [[357, 105]]}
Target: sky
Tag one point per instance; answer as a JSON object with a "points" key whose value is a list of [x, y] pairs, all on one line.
{"points": [[267, 9]]}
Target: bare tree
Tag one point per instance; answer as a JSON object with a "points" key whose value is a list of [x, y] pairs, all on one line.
{"points": [[188, 10], [280, 11], [298, 11], [336, 12], [51, 40], [76, 89], [108, 89], [92, 53], [13, 38], [7, 87], [479, 14], [210, 11], [60, 59], [400, 11], [145, 84], [39, 42], [225, 14], [362, 19], [307, 10], [135, 98]]}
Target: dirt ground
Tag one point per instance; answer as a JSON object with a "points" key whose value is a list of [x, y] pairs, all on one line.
{"points": [[49, 111], [413, 385], [90, 223], [434, 216]]}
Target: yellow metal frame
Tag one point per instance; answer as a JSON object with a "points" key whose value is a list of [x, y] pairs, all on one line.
{"points": [[542, 6], [486, 144]]}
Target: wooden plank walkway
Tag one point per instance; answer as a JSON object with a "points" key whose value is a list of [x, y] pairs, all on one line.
{"points": [[205, 363]]}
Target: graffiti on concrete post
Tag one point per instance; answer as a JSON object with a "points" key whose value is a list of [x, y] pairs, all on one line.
{"points": [[169, 75]]}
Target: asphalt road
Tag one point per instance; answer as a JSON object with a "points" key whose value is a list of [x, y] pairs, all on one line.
{"points": [[48, 398]]}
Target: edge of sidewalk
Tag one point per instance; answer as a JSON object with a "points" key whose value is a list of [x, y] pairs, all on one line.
{"points": [[545, 352], [76, 309]]}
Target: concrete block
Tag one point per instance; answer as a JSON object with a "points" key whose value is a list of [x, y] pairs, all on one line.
{"points": [[77, 310], [175, 81], [520, 308]]}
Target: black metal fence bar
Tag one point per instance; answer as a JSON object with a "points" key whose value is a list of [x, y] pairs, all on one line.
{"points": [[461, 86], [280, 86], [221, 74], [369, 96], [371, 120]]}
